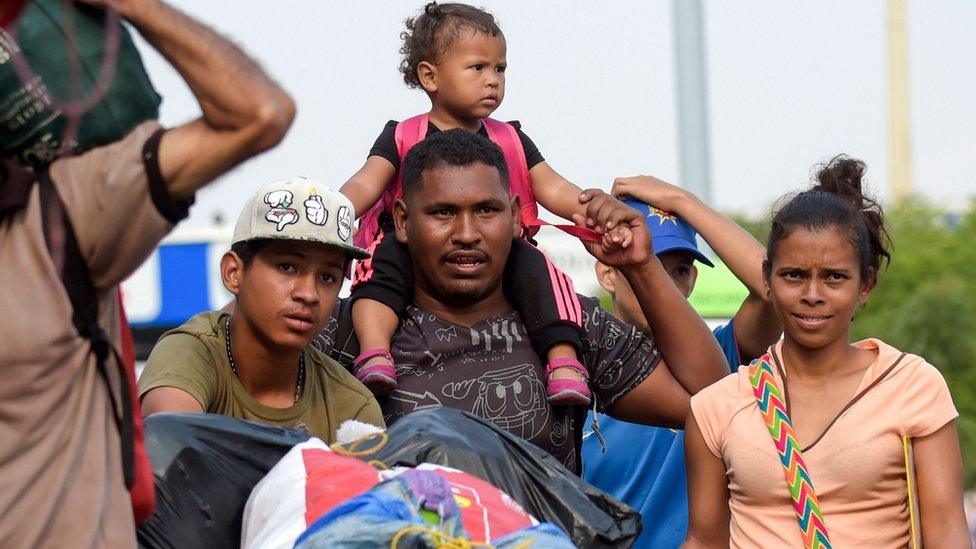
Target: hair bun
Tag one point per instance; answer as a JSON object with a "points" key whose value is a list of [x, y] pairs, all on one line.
{"points": [[433, 9], [842, 177]]}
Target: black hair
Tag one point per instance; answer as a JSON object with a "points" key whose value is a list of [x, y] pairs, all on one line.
{"points": [[430, 34], [249, 249], [836, 200], [457, 147]]}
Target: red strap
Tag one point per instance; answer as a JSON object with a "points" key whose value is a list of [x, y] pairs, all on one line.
{"points": [[142, 494], [582, 233]]}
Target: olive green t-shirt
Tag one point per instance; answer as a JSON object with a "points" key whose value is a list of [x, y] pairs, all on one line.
{"points": [[193, 358]]}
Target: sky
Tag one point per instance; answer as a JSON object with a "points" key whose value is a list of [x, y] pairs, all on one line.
{"points": [[790, 84]]}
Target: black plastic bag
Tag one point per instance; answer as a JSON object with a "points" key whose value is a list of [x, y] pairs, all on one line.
{"points": [[205, 466], [535, 479]]}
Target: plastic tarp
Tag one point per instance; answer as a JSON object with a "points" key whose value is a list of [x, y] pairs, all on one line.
{"points": [[417, 509], [532, 477], [312, 480], [205, 467]]}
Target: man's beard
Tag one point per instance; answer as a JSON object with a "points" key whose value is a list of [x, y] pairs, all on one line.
{"points": [[463, 294]]}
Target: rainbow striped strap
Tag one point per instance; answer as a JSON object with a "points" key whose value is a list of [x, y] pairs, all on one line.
{"points": [[772, 405]]}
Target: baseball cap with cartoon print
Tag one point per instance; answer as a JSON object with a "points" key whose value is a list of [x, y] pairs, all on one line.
{"points": [[299, 209]]}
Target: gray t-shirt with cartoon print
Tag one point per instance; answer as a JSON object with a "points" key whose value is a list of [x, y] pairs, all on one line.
{"points": [[491, 370]]}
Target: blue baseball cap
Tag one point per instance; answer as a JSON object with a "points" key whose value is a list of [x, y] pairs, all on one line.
{"points": [[668, 231]]}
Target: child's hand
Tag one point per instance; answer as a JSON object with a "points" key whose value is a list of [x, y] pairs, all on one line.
{"points": [[637, 253], [603, 212], [651, 190]]}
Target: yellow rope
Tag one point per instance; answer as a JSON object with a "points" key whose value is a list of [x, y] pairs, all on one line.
{"points": [[913, 519], [440, 540], [352, 449]]}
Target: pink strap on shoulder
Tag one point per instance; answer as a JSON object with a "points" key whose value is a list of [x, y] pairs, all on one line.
{"points": [[408, 133], [506, 136]]}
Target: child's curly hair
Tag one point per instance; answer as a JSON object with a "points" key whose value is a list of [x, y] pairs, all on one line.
{"points": [[431, 33]]}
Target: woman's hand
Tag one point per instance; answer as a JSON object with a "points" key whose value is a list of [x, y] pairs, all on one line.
{"points": [[653, 191]]}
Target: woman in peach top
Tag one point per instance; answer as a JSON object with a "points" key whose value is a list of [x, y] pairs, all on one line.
{"points": [[849, 404]]}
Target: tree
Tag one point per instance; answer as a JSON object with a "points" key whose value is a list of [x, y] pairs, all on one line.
{"points": [[924, 303]]}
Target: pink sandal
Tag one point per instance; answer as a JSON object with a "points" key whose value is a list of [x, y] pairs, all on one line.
{"points": [[567, 392], [381, 379]]}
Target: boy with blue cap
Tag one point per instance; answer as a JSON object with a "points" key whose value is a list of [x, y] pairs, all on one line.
{"points": [[644, 466]]}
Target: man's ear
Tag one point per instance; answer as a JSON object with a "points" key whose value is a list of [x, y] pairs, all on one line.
{"points": [[427, 75], [231, 270], [400, 215], [516, 206], [605, 275]]}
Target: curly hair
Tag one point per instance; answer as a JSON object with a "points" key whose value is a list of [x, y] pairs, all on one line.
{"points": [[430, 34], [457, 147], [836, 200]]}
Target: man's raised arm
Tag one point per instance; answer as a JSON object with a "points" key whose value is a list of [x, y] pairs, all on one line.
{"points": [[690, 352], [244, 112]]}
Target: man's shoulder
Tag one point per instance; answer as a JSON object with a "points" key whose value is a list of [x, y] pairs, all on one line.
{"points": [[336, 377], [190, 357], [594, 314], [126, 154], [589, 302], [203, 326], [197, 340]]}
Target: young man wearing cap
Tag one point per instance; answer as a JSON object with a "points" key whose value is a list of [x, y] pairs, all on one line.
{"points": [[650, 476], [291, 246]]}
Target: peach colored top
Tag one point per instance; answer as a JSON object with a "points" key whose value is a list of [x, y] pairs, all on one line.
{"points": [[858, 467]]}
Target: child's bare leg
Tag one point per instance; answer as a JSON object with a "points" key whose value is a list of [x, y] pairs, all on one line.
{"points": [[374, 324], [563, 350]]}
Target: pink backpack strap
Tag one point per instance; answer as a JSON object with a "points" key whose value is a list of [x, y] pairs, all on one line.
{"points": [[506, 136], [408, 133]]}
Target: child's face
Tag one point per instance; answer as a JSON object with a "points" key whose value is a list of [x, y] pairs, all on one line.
{"points": [[469, 82]]}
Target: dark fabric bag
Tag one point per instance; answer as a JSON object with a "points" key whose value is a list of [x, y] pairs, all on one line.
{"points": [[31, 129]]}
